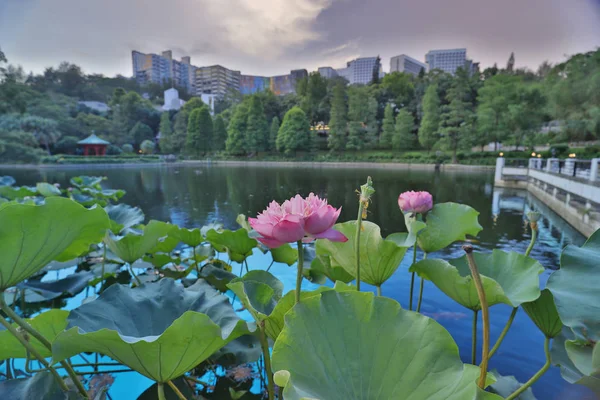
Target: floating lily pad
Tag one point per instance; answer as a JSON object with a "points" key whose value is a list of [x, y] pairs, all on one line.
{"points": [[133, 247], [544, 315], [123, 216], [32, 236], [87, 181], [448, 223], [47, 190], [575, 288], [160, 330], [13, 193], [7, 180], [42, 386], [510, 278], [238, 244], [50, 323], [259, 291], [354, 345], [379, 258]]}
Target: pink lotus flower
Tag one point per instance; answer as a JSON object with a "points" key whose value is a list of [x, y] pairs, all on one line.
{"points": [[417, 202], [297, 219]]}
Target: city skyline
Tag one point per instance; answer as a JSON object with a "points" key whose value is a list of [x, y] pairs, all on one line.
{"points": [[272, 37]]}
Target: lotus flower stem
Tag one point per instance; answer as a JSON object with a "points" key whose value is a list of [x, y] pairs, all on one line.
{"points": [[533, 238], [176, 390], [161, 391], [299, 273], [264, 344], [45, 342], [139, 282], [474, 339], [357, 244], [412, 279], [379, 290], [195, 261], [103, 263], [504, 331], [421, 286], [538, 374], [31, 350], [485, 316]]}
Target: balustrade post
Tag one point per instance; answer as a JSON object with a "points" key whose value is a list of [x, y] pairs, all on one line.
{"points": [[500, 162], [594, 170]]}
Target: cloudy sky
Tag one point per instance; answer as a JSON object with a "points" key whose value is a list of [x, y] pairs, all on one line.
{"points": [[268, 37]]}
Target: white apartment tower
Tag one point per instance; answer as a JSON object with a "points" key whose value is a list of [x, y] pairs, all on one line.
{"points": [[409, 65], [446, 60]]}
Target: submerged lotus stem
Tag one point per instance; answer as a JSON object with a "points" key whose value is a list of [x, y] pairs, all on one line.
{"points": [[176, 390], [484, 315], [412, 279], [504, 331], [31, 350], [264, 344], [537, 375], [421, 286], [366, 191], [299, 271], [45, 342], [533, 217]]}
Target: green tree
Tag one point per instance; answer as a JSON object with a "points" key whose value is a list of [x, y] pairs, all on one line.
{"points": [[495, 96], [236, 143], [387, 132], [338, 124], [180, 131], [294, 133], [141, 132], [399, 88], [257, 128], [66, 145], [192, 104], [166, 134], [200, 132], [362, 114], [403, 137], [313, 98], [428, 131], [147, 147], [220, 134], [458, 117], [527, 114], [371, 123], [273, 134]]}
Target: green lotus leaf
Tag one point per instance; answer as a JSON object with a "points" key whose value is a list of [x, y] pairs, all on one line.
{"points": [[160, 330], [405, 239], [585, 357], [49, 323], [379, 258], [575, 288], [123, 216], [152, 392], [133, 247], [275, 322], [191, 237], [259, 291], [506, 385], [242, 221], [510, 278], [237, 243], [354, 345], [217, 277], [32, 236], [285, 254], [7, 180], [544, 315], [48, 290], [447, 223], [14, 193], [47, 190], [570, 368], [87, 181], [321, 267], [42, 386]]}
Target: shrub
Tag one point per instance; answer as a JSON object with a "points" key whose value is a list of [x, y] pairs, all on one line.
{"points": [[66, 145], [127, 148], [147, 147]]}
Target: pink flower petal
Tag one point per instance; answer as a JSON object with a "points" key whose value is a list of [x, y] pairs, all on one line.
{"points": [[321, 220], [289, 229], [264, 228], [333, 235], [270, 243]]}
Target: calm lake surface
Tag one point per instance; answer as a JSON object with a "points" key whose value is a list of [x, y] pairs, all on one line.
{"points": [[194, 196]]}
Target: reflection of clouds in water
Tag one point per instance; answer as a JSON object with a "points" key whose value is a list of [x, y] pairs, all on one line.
{"points": [[446, 315]]}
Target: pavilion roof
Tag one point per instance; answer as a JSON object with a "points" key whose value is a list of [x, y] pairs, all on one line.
{"points": [[93, 139]]}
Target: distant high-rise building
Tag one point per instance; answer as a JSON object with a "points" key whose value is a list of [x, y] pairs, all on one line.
{"points": [[216, 80], [279, 85], [404, 63], [327, 72], [446, 60], [162, 69]]}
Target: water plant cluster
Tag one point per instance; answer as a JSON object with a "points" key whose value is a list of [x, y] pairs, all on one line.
{"points": [[166, 297]]}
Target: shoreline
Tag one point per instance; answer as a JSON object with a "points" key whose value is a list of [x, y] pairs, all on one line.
{"points": [[264, 164]]}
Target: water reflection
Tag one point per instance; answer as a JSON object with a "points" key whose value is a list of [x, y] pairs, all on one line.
{"points": [[194, 196]]}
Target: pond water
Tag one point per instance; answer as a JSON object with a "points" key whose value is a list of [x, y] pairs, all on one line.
{"points": [[194, 196]]}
